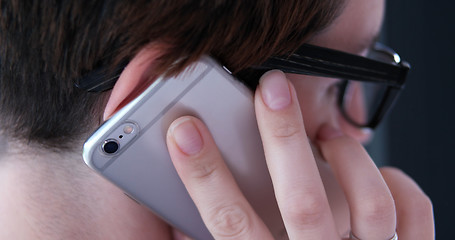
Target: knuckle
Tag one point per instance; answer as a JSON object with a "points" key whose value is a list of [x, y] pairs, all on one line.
{"points": [[287, 130], [229, 221], [303, 210], [203, 170], [414, 203], [419, 206], [377, 208]]}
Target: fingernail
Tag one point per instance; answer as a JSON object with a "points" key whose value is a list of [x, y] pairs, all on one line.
{"points": [[275, 90], [328, 132], [186, 136]]}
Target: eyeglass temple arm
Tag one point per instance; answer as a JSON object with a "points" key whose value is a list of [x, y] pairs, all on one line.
{"points": [[308, 60], [101, 79], [318, 61]]}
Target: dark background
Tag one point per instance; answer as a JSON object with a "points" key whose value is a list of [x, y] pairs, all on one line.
{"points": [[420, 131]]}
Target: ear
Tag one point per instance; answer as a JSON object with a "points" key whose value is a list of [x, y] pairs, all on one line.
{"points": [[134, 79]]}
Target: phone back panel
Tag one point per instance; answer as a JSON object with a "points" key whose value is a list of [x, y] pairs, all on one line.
{"points": [[142, 167]]}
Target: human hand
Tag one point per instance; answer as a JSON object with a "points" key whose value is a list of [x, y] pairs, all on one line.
{"points": [[380, 201]]}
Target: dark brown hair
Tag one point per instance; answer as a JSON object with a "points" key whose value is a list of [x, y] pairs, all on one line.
{"points": [[46, 45]]}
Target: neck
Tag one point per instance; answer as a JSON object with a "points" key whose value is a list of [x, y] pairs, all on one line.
{"points": [[53, 195]]}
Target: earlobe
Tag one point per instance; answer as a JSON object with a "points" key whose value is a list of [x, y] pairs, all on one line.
{"points": [[135, 78]]}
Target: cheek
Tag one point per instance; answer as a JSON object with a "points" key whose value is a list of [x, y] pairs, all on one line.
{"points": [[317, 99], [318, 103]]}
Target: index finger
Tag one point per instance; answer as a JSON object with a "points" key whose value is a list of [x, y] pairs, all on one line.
{"points": [[298, 186]]}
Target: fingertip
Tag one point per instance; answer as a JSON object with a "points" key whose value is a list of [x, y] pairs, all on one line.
{"points": [[332, 142], [328, 132], [275, 91], [186, 135], [273, 73]]}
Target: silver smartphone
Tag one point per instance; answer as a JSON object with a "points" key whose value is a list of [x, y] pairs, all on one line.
{"points": [[130, 148]]}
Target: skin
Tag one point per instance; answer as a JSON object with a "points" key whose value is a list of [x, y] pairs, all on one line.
{"points": [[48, 195], [285, 109]]}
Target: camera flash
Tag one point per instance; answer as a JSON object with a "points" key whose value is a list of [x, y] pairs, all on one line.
{"points": [[128, 129]]}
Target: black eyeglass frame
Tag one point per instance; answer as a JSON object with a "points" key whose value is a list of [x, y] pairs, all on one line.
{"points": [[307, 60], [324, 62]]}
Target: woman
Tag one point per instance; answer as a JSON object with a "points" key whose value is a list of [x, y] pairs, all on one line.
{"points": [[47, 192]]}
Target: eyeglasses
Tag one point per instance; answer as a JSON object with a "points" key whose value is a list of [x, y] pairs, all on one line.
{"points": [[369, 86]]}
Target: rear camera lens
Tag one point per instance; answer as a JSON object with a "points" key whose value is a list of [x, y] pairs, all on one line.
{"points": [[110, 146]]}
